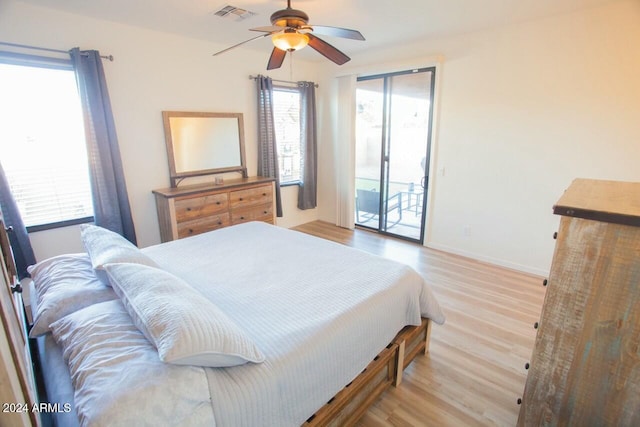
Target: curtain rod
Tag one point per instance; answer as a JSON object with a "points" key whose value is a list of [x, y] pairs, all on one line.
{"points": [[46, 49], [280, 81]]}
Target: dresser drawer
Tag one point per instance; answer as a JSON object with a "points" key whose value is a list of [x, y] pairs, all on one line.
{"points": [[189, 208], [202, 225], [193, 209], [255, 213], [251, 196]]}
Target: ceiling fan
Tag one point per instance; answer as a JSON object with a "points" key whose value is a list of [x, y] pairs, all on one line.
{"points": [[290, 31]]}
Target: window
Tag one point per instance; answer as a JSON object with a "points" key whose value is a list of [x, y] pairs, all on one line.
{"points": [[286, 112], [43, 144]]}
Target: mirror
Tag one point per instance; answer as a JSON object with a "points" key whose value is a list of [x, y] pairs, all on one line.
{"points": [[203, 143]]}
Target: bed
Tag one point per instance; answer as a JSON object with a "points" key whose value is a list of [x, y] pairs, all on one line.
{"points": [[318, 329]]}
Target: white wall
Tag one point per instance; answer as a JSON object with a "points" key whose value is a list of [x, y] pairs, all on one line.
{"points": [[152, 71], [522, 111]]}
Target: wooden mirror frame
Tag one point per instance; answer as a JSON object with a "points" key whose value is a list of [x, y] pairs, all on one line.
{"points": [[175, 176]]}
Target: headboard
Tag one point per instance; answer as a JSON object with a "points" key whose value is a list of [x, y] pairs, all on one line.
{"points": [[17, 384]]}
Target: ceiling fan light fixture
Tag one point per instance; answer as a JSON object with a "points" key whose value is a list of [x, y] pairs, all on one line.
{"points": [[290, 40], [290, 30]]}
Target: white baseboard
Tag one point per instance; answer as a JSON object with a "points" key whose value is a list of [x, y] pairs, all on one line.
{"points": [[490, 260]]}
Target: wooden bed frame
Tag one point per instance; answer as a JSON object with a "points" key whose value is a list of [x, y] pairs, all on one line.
{"points": [[386, 369], [344, 409]]}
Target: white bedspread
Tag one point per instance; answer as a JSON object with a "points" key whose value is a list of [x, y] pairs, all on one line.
{"points": [[319, 311]]}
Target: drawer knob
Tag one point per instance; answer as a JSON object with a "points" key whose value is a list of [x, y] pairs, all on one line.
{"points": [[241, 217], [240, 199], [190, 230], [526, 365], [188, 209], [535, 325], [555, 235], [266, 212], [217, 203], [264, 194], [544, 282], [519, 401], [219, 222]]}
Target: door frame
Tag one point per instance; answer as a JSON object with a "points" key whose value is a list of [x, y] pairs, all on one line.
{"points": [[385, 148]]}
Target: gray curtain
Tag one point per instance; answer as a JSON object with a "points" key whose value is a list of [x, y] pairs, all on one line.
{"points": [[307, 193], [111, 207], [20, 243], [267, 147]]}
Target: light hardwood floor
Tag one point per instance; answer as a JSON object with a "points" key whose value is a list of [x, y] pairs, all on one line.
{"points": [[474, 372]]}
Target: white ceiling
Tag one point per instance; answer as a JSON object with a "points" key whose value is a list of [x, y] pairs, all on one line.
{"points": [[382, 22]]}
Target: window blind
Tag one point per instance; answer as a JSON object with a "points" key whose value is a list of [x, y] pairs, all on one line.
{"points": [[50, 195], [42, 143], [286, 112]]}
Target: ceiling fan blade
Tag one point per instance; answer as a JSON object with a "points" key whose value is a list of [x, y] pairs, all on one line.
{"points": [[327, 50], [269, 29], [276, 59], [345, 33], [241, 43]]}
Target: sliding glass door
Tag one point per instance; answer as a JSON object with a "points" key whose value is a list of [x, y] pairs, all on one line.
{"points": [[393, 132]]}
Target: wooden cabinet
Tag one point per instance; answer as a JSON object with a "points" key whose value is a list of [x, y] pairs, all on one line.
{"points": [[190, 210], [585, 368], [17, 381]]}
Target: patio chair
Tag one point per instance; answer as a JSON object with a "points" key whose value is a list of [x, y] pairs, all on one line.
{"points": [[368, 205]]}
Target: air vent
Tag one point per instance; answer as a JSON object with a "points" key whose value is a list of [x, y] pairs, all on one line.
{"points": [[235, 13]]}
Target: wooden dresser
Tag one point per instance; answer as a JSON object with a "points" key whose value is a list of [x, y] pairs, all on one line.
{"points": [[194, 209], [585, 369]]}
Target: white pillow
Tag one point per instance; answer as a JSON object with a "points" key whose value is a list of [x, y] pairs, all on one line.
{"points": [[117, 375], [185, 327], [63, 285], [104, 247]]}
